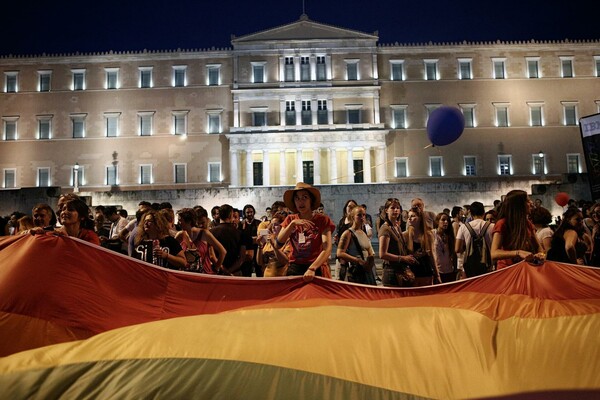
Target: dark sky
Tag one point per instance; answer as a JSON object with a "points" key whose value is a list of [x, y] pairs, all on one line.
{"points": [[70, 26]]}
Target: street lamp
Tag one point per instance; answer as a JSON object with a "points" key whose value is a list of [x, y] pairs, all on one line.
{"points": [[76, 179], [541, 154]]}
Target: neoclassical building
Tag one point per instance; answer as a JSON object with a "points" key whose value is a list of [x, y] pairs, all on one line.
{"points": [[305, 101]]}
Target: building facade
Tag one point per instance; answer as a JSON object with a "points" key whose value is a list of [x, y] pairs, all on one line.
{"points": [[304, 101]]}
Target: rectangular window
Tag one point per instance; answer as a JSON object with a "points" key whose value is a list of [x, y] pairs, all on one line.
{"points": [[308, 172], [258, 72], [504, 165], [145, 77], [214, 123], [464, 69], [44, 128], [180, 123], [435, 166], [321, 68], [11, 83], [499, 68], [533, 68], [214, 172], [289, 72], [112, 124], [351, 70], [78, 79], [570, 112], [290, 113], [397, 70], [112, 78], [431, 73], [573, 163], [304, 69], [501, 115], [535, 115], [214, 75], [259, 118], [180, 173], [538, 167], [597, 63], [399, 118], [10, 128], [78, 126], [44, 81], [401, 167], [43, 176], [179, 75], [145, 124], [359, 173], [306, 113], [566, 64], [257, 173], [10, 178], [322, 118], [112, 175], [469, 114], [353, 116], [470, 165], [146, 174]]}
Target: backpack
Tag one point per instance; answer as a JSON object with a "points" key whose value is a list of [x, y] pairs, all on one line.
{"points": [[477, 259]]}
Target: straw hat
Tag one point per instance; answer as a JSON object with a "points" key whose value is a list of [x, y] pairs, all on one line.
{"points": [[288, 196]]}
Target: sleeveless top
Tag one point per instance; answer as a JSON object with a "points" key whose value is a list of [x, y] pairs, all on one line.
{"points": [[203, 251]]}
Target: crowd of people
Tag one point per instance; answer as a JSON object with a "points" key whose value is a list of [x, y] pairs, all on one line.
{"points": [[417, 247]]}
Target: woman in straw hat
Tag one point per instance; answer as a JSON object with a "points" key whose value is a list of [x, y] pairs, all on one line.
{"points": [[308, 232]]}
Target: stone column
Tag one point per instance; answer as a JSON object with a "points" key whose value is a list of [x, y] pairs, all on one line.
{"points": [[282, 171], [249, 169], [266, 169], [333, 174], [350, 167], [233, 168], [380, 162], [367, 165], [317, 165], [299, 170]]}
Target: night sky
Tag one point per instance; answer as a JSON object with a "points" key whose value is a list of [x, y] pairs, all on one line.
{"points": [[71, 26]]}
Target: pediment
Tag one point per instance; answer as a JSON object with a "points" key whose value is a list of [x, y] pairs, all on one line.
{"points": [[303, 29]]}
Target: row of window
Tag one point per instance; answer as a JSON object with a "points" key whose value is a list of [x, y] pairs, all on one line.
{"points": [[436, 169], [145, 124], [505, 165], [301, 68], [111, 175], [306, 116]]}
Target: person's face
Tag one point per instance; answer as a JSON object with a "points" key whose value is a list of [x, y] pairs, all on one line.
{"points": [[41, 217], [69, 216], [183, 223], [320, 210], [528, 206], [576, 220], [203, 221], [349, 207], [302, 201], [249, 214], [275, 226], [268, 212], [595, 214], [537, 202], [413, 218], [149, 224], [443, 223], [393, 212], [490, 218], [236, 217], [359, 217], [417, 206], [215, 214]]}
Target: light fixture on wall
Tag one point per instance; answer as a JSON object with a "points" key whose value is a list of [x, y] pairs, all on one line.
{"points": [[76, 178]]}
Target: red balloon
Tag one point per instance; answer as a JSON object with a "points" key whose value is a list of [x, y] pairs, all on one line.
{"points": [[562, 198]]}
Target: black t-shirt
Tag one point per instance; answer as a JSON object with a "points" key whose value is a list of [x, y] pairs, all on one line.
{"points": [[143, 251], [232, 239]]}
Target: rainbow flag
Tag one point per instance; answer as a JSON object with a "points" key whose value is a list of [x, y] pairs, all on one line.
{"points": [[79, 321]]}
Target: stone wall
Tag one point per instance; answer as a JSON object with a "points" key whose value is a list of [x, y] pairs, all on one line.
{"points": [[436, 196]]}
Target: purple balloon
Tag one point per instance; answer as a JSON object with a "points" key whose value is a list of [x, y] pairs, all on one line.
{"points": [[445, 125]]}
